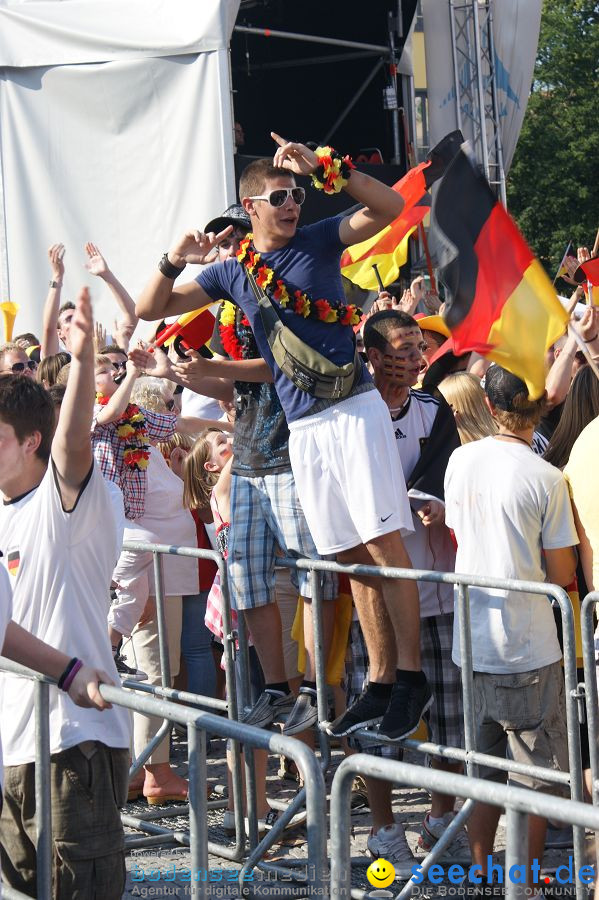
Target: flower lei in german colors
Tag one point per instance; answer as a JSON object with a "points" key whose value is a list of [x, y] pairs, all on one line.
{"points": [[298, 301], [131, 428], [333, 171], [236, 334]]}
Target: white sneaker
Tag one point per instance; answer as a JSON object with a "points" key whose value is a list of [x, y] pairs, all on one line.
{"points": [[390, 843], [457, 851]]}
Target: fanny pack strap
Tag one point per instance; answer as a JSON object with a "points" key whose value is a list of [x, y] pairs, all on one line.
{"points": [[308, 369]]}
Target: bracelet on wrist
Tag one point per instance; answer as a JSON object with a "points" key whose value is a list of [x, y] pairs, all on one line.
{"points": [[168, 269], [70, 666], [55, 284], [71, 676], [592, 340], [333, 171]]}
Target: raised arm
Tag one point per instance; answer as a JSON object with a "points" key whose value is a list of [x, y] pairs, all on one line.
{"points": [[71, 447], [381, 203], [158, 299], [50, 343], [160, 366], [97, 265], [117, 404]]}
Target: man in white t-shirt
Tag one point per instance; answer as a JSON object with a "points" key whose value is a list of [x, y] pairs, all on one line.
{"points": [[511, 515], [59, 545]]}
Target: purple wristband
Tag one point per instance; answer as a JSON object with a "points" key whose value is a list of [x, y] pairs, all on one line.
{"points": [[71, 676]]}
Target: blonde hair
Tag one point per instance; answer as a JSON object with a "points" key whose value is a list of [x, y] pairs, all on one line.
{"points": [[197, 481], [152, 393], [100, 359], [177, 440], [63, 375], [466, 397]]}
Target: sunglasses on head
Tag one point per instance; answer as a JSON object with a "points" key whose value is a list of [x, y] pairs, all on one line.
{"points": [[279, 196], [20, 367]]}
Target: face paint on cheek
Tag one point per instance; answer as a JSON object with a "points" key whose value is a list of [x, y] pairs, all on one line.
{"points": [[394, 366]]}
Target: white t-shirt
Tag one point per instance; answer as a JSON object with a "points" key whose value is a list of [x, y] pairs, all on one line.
{"points": [[166, 521], [5, 617], [428, 547], [506, 505], [198, 405], [60, 564]]}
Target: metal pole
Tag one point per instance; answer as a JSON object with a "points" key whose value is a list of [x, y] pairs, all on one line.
{"points": [[463, 612], [43, 798], [319, 661], [456, 75], [165, 665], [591, 701], [497, 122], [395, 109], [516, 850], [309, 38], [198, 808], [344, 114], [480, 90]]}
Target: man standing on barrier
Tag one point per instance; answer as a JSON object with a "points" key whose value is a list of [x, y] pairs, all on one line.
{"points": [[517, 526], [341, 445]]}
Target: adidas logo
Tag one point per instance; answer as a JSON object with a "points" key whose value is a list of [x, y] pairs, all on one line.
{"points": [[399, 434]]}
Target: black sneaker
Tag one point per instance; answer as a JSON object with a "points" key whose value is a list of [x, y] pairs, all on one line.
{"points": [[406, 707], [366, 710], [304, 713], [126, 672]]}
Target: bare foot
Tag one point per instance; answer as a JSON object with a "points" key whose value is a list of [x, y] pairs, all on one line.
{"points": [[163, 784]]}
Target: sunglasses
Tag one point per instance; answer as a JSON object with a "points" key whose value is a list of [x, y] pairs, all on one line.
{"points": [[16, 368], [119, 365], [278, 197]]}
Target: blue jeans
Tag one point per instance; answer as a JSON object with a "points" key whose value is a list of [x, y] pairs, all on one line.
{"points": [[196, 646]]}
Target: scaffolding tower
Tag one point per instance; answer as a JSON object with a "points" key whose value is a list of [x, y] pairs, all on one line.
{"points": [[477, 108]]}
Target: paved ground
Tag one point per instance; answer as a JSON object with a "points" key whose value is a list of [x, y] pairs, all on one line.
{"points": [[158, 866]]}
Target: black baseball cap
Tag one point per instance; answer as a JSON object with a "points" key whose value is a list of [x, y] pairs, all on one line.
{"points": [[234, 215], [502, 387]]}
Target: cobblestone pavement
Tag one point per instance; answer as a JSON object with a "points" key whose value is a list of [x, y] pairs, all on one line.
{"points": [[160, 865]]}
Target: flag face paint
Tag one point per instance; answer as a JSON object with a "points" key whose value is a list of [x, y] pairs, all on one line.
{"points": [[499, 301]]}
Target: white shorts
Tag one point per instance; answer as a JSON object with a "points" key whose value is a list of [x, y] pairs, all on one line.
{"points": [[348, 473]]}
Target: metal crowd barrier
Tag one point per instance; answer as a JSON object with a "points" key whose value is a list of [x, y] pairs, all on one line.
{"points": [[590, 691], [518, 802], [470, 757], [198, 724]]}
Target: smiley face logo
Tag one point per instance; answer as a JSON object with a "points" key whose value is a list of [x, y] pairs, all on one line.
{"points": [[380, 873]]}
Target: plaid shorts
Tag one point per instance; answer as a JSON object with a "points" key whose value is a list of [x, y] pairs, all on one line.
{"points": [[267, 518], [444, 720]]}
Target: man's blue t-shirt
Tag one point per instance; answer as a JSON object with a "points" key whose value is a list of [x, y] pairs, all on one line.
{"points": [[309, 263]]}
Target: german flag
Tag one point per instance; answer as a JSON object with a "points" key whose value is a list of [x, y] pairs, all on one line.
{"points": [[588, 272], [13, 561], [388, 249], [499, 301]]}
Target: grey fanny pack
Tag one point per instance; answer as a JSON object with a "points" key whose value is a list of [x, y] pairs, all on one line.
{"points": [[308, 369]]}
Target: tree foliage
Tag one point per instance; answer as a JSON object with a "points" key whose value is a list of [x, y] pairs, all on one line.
{"points": [[552, 185]]}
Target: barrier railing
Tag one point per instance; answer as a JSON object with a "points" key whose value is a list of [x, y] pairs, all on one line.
{"points": [[471, 758], [198, 724], [469, 755], [588, 607], [518, 802]]}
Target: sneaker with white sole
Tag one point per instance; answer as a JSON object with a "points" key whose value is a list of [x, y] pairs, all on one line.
{"points": [[457, 851], [368, 709], [390, 843], [405, 709], [304, 713], [127, 673], [270, 707]]}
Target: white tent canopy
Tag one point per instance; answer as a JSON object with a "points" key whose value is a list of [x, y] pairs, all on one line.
{"points": [[116, 127]]}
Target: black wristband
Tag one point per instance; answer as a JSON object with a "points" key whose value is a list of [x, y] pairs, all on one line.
{"points": [[591, 340], [168, 269], [72, 662]]}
